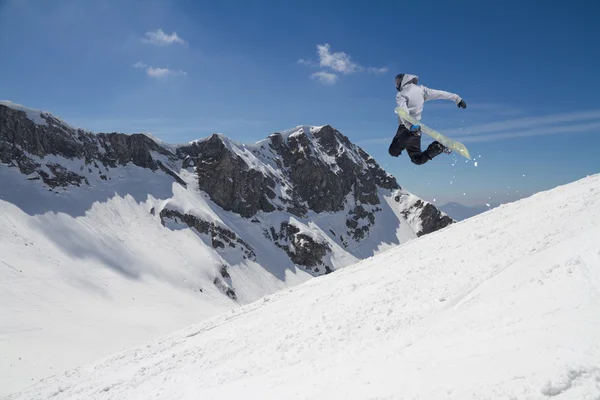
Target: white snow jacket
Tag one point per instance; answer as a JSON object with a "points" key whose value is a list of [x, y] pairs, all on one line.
{"points": [[411, 97]]}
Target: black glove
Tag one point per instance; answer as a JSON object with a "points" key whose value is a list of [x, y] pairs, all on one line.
{"points": [[462, 104]]}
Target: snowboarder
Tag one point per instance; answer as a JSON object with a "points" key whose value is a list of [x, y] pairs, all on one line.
{"points": [[411, 97]]}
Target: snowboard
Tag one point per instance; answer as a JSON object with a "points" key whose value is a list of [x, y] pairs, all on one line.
{"points": [[446, 141]]}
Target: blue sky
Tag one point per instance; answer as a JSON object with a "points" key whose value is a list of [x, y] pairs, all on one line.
{"points": [[182, 70]]}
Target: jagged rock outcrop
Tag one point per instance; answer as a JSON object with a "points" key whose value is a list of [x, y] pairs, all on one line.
{"points": [[21, 138], [228, 179], [301, 248], [430, 217], [322, 187], [360, 221], [220, 237], [319, 170], [61, 176], [306, 172]]}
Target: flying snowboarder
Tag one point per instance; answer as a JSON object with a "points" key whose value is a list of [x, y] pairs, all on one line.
{"points": [[411, 97]]}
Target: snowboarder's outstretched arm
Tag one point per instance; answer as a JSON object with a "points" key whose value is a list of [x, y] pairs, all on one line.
{"points": [[433, 94]]}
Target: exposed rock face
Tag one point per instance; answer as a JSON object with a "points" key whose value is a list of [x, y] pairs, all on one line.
{"points": [[305, 172], [308, 181], [225, 288], [21, 138], [228, 179], [432, 219], [325, 188], [300, 247], [62, 177], [360, 222], [220, 237]]}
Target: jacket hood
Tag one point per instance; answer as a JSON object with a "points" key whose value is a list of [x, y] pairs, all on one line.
{"points": [[404, 79]]}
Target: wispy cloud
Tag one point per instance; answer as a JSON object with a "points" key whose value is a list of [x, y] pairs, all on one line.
{"points": [[325, 77], [336, 63], [377, 71], [552, 124], [565, 130], [160, 38], [307, 62], [162, 72], [529, 122], [155, 72]]}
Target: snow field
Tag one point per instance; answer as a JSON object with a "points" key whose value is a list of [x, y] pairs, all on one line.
{"points": [[503, 305]]}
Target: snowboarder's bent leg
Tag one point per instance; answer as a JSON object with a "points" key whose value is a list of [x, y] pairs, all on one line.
{"points": [[413, 148], [435, 149], [405, 139], [399, 142]]}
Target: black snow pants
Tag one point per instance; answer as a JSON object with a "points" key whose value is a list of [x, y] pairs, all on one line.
{"points": [[404, 139]]}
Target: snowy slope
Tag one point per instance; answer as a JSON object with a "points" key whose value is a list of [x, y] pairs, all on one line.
{"points": [[87, 272], [95, 255], [505, 305]]}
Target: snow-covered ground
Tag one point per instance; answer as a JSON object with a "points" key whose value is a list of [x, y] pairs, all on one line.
{"points": [[88, 271], [505, 305]]}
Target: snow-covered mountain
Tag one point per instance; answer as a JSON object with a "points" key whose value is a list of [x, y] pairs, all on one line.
{"points": [[461, 212], [109, 239], [505, 305]]}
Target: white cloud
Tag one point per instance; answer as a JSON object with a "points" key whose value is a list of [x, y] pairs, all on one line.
{"points": [[155, 72], [337, 62], [529, 122], [163, 72], [160, 38], [377, 71], [552, 124], [307, 62], [325, 77], [565, 130]]}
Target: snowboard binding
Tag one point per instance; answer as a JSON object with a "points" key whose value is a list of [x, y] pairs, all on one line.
{"points": [[436, 148]]}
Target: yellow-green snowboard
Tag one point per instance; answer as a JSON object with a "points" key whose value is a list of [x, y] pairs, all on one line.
{"points": [[446, 141]]}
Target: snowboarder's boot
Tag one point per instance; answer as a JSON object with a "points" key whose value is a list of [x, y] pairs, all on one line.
{"points": [[435, 149]]}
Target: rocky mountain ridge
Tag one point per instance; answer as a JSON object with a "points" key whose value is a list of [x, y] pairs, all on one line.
{"points": [[300, 175]]}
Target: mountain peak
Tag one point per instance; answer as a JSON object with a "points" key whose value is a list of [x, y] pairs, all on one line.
{"points": [[37, 116], [303, 170]]}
